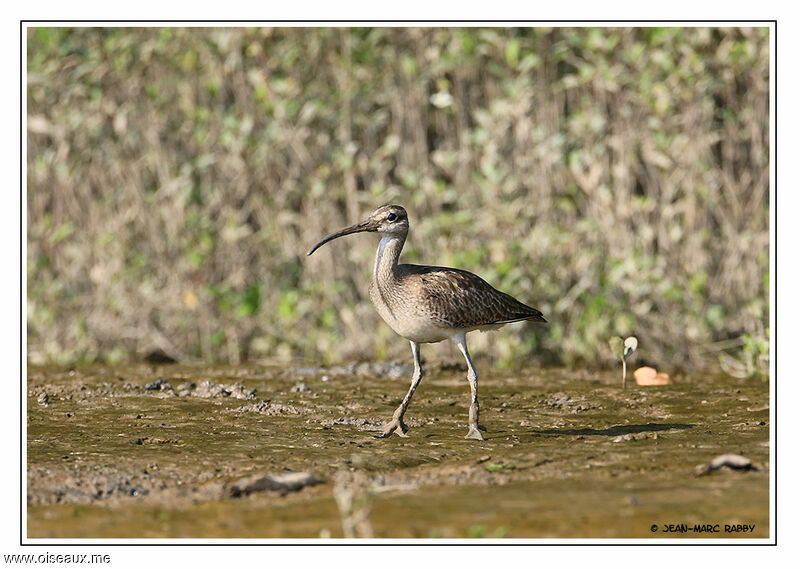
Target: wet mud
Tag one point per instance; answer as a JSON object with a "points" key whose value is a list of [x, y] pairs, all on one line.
{"points": [[166, 451]]}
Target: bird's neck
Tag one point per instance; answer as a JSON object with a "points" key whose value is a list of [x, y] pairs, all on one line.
{"points": [[387, 256]]}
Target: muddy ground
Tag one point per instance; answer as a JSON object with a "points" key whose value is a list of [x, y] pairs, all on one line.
{"points": [[165, 451]]}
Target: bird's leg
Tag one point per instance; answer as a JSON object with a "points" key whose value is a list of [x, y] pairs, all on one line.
{"points": [[472, 376], [397, 424]]}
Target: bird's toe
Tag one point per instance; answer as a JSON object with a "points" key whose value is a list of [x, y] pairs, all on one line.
{"points": [[474, 433], [394, 426]]}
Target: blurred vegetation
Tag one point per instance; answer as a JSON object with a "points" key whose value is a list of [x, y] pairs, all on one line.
{"points": [[617, 179]]}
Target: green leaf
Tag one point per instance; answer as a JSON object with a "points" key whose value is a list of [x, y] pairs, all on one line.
{"points": [[251, 299], [512, 52], [616, 345], [63, 231], [499, 467]]}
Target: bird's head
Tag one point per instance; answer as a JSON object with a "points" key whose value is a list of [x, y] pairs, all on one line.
{"points": [[386, 220]]}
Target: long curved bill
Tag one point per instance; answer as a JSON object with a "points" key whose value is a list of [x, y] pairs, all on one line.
{"points": [[357, 228]]}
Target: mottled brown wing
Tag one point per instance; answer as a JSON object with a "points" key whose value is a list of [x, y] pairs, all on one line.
{"points": [[460, 299]]}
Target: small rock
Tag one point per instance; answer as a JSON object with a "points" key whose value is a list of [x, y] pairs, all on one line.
{"points": [[268, 408], [160, 383], [283, 483], [734, 461], [241, 392], [156, 441], [43, 399], [356, 421], [300, 387], [564, 401], [210, 389], [635, 437], [159, 356]]}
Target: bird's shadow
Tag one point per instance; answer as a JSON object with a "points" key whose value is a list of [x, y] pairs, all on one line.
{"points": [[614, 431]]}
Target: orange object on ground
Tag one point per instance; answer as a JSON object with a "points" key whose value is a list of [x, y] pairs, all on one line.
{"points": [[646, 375]]}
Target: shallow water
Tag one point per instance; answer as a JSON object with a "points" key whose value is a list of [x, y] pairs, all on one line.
{"points": [[567, 453]]}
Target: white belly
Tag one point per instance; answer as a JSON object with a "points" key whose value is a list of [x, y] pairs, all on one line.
{"points": [[408, 323]]}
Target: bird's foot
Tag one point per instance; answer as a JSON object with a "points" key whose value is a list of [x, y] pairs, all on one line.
{"points": [[474, 433], [395, 425]]}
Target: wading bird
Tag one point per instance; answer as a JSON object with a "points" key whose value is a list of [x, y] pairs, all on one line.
{"points": [[426, 304]]}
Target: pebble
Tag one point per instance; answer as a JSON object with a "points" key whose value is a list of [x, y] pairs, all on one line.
{"points": [[300, 387], [635, 437], [268, 408], [563, 401], [734, 461], [43, 399], [160, 383], [211, 389], [283, 483]]}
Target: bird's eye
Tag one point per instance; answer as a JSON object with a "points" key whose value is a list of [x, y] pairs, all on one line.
{"points": [[391, 217]]}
